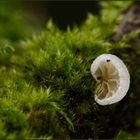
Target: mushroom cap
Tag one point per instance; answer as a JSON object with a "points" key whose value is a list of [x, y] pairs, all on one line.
{"points": [[123, 77]]}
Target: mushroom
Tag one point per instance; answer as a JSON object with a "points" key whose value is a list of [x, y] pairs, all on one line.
{"points": [[112, 78]]}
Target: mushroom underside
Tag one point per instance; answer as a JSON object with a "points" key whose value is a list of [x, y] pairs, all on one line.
{"points": [[107, 77]]}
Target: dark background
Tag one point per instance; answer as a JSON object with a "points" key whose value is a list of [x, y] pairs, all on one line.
{"points": [[63, 13]]}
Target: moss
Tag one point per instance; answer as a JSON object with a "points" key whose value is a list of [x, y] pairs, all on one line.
{"points": [[12, 24], [48, 90]]}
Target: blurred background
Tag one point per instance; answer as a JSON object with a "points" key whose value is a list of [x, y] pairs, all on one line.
{"points": [[63, 13], [33, 15]]}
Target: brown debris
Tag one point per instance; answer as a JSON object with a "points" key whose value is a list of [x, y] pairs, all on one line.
{"points": [[130, 21]]}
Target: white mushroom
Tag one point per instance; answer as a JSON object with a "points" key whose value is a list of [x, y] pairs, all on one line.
{"points": [[112, 78]]}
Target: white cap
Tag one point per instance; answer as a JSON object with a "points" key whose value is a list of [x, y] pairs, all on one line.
{"points": [[124, 78]]}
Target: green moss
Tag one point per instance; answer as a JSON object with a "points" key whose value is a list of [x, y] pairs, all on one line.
{"points": [[12, 24], [47, 90]]}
